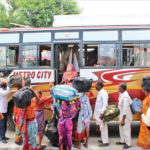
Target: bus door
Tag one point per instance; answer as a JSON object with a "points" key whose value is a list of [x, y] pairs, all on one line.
{"points": [[65, 54]]}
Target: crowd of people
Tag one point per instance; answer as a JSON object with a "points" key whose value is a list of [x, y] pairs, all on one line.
{"points": [[73, 117]]}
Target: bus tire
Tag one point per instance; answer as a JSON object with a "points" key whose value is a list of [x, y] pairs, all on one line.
{"points": [[10, 116]]}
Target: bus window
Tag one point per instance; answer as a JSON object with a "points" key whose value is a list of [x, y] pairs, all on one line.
{"points": [[90, 54], [45, 55], [29, 58], [2, 56], [12, 56], [145, 55], [131, 55], [107, 55]]}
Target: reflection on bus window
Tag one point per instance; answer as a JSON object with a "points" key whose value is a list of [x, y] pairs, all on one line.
{"points": [[136, 55], [2, 56], [90, 54], [104, 55], [12, 56], [45, 55], [29, 58], [107, 55], [145, 55]]}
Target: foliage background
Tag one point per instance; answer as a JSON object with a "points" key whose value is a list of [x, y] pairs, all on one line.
{"points": [[34, 13]]}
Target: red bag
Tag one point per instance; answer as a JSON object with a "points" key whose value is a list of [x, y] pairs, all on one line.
{"points": [[1, 116]]}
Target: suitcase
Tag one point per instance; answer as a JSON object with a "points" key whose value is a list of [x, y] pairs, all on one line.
{"points": [[111, 112]]}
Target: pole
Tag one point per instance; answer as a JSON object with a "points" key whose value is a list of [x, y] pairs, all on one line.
{"points": [[62, 9]]}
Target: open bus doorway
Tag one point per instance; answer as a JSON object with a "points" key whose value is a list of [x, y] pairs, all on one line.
{"points": [[65, 54]]}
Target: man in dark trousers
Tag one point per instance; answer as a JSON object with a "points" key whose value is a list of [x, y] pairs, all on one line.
{"points": [[4, 91]]}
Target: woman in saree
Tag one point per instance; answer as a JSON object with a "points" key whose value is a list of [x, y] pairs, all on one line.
{"points": [[67, 78], [69, 75], [144, 135], [44, 103], [18, 135], [27, 124], [67, 111]]}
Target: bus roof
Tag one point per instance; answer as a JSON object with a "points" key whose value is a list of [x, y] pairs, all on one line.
{"points": [[75, 28]]}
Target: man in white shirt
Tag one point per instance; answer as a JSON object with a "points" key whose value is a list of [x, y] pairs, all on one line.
{"points": [[100, 107], [125, 117], [4, 91]]}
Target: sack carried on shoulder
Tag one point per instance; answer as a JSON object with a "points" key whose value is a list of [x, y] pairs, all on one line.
{"points": [[22, 97], [136, 105], [111, 112], [82, 84]]}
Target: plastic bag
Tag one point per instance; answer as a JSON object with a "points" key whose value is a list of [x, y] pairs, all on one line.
{"points": [[136, 105], [63, 92]]}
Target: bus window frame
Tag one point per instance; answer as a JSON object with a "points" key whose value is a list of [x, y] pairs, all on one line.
{"points": [[38, 51], [133, 42], [7, 45], [102, 67]]}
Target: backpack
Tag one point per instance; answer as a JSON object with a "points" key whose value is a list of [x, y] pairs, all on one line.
{"points": [[22, 97]]}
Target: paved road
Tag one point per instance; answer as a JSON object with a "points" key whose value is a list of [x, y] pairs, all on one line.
{"points": [[93, 143]]}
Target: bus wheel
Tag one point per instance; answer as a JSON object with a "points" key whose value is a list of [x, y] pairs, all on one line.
{"points": [[10, 117]]}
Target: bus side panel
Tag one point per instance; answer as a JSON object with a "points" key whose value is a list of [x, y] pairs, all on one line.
{"points": [[112, 78], [42, 79]]}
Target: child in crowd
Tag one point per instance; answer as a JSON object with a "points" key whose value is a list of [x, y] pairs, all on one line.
{"points": [[85, 115]]}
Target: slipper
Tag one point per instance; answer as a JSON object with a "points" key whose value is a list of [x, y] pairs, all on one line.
{"points": [[76, 146], [85, 145]]}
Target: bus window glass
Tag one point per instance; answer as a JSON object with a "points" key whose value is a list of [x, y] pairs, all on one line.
{"points": [[45, 55], [145, 55], [90, 54], [131, 54], [107, 55], [29, 58], [2, 56], [12, 56]]}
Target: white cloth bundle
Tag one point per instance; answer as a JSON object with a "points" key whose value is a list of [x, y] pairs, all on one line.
{"points": [[146, 118]]}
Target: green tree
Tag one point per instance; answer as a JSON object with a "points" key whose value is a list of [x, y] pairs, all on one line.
{"points": [[38, 13], [4, 23]]}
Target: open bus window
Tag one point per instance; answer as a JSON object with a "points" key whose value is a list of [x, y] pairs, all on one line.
{"points": [[45, 55], [12, 56], [90, 55], [68, 54], [29, 58], [3, 56]]}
